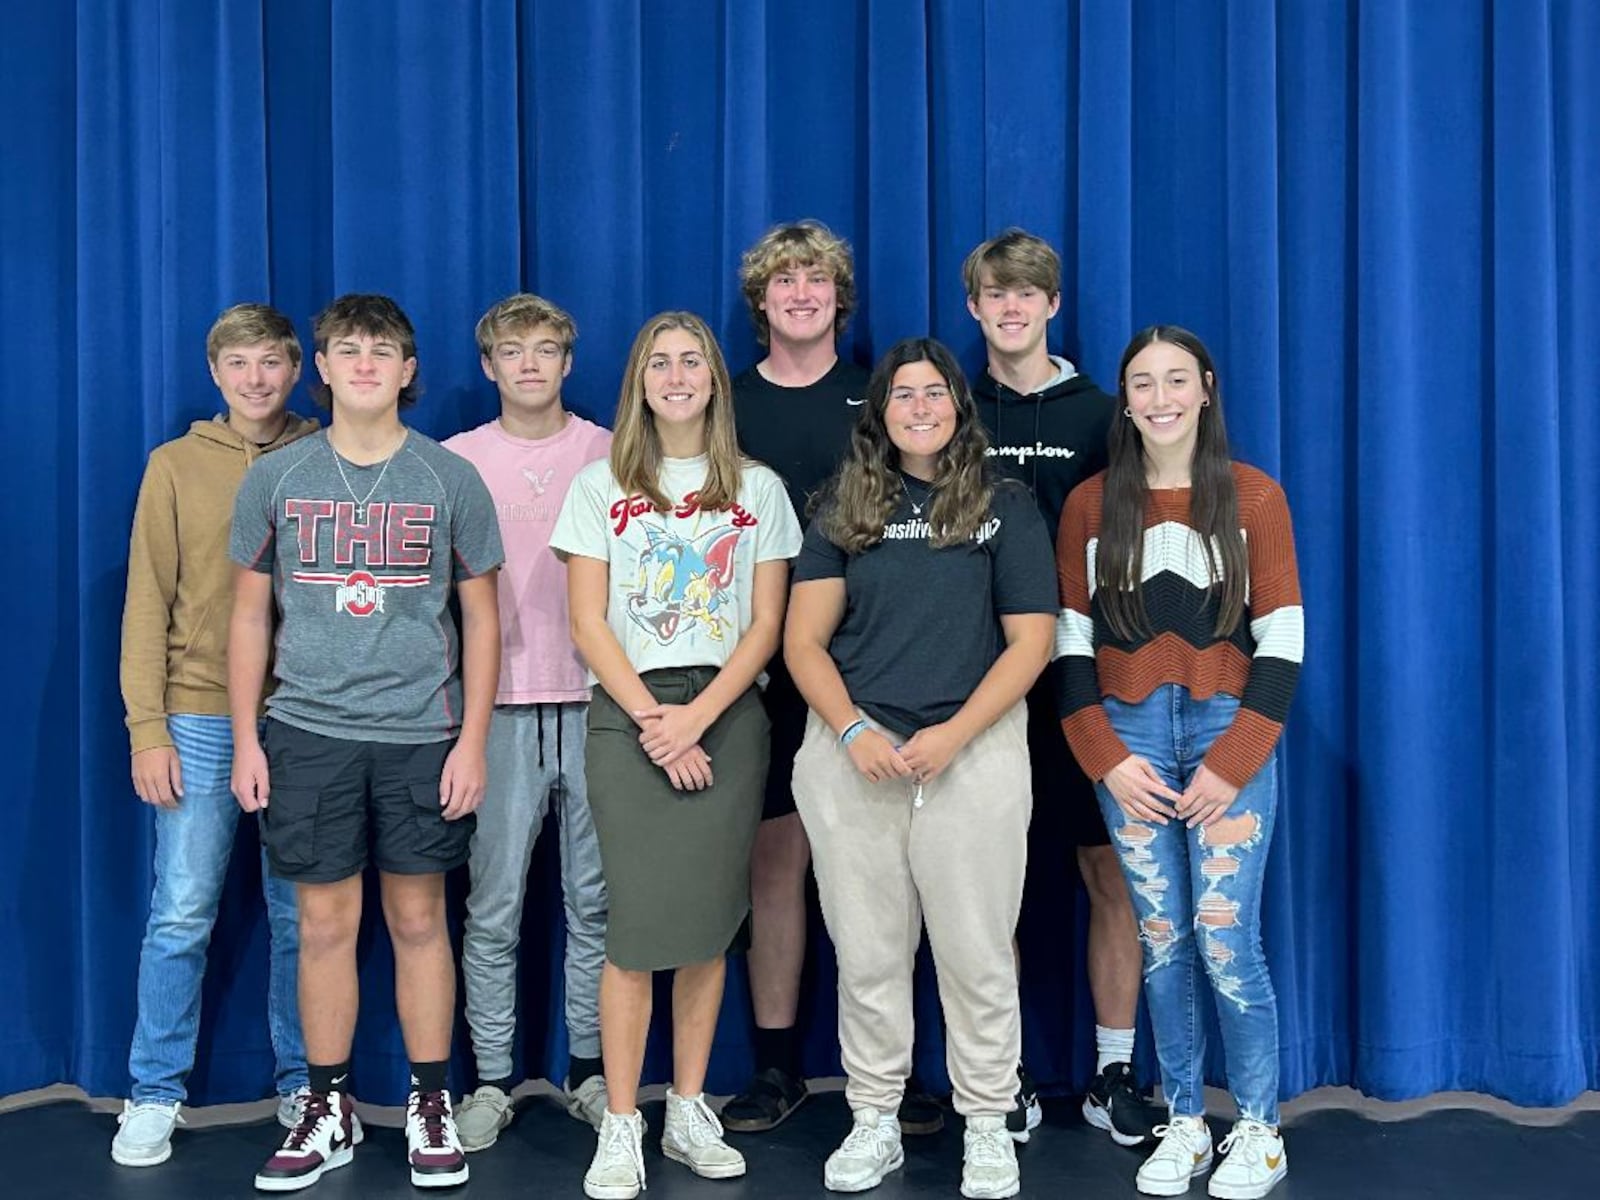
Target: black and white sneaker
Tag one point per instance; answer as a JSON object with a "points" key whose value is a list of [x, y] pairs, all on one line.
{"points": [[1026, 1114], [1117, 1106]]}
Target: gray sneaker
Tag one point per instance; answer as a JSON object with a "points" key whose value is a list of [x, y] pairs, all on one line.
{"points": [[144, 1133], [617, 1172], [588, 1100], [692, 1135], [291, 1105], [481, 1116], [988, 1160], [868, 1153]]}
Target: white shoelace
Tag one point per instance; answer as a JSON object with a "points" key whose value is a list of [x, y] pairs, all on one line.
{"points": [[701, 1124], [1185, 1138], [987, 1147], [619, 1143], [864, 1139], [1245, 1135]]}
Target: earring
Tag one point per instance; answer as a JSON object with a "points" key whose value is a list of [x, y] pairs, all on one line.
{"points": [[1128, 412], [1206, 403]]}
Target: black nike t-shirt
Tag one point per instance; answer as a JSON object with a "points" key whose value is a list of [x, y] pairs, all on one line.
{"points": [[800, 432], [921, 626]]}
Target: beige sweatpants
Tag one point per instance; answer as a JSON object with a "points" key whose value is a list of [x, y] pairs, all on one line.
{"points": [[883, 867]]}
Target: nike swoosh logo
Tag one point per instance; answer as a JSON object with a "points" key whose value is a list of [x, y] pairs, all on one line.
{"points": [[848, 400]]}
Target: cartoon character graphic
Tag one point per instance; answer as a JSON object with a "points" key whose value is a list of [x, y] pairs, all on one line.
{"points": [[683, 584]]}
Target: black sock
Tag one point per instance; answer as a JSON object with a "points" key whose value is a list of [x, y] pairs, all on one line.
{"points": [[505, 1085], [580, 1069], [332, 1078], [429, 1076], [778, 1048]]}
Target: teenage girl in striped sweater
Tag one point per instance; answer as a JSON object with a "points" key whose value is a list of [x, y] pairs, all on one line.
{"points": [[1181, 636]]}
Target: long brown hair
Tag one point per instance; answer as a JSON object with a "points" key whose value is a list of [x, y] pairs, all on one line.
{"points": [[1213, 503], [635, 444], [867, 486]]}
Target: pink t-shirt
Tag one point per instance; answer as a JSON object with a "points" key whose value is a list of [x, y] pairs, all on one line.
{"points": [[529, 480]]}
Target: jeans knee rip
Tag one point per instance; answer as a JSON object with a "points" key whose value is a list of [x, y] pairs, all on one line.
{"points": [[1224, 841], [1155, 930]]}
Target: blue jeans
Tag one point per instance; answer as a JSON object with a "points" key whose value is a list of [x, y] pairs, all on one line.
{"points": [[193, 844], [1197, 894]]}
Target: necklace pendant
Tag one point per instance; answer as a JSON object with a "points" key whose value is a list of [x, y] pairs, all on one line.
{"points": [[361, 514]]}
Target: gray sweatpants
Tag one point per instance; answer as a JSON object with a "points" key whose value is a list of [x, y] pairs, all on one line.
{"points": [[883, 867], [535, 752]]}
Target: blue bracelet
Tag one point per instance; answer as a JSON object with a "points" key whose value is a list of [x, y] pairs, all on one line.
{"points": [[852, 733]]}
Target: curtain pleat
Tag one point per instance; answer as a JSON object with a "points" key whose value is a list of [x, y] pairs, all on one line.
{"points": [[1378, 214]]}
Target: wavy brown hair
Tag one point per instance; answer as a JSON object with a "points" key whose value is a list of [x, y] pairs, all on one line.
{"points": [[635, 444], [1213, 503], [867, 487], [795, 246]]}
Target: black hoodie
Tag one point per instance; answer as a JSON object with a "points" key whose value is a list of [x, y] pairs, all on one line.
{"points": [[1051, 440]]}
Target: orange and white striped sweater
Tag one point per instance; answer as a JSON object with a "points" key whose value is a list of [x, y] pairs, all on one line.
{"points": [[1259, 662]]}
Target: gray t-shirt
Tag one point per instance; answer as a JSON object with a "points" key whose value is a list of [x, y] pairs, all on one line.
{"points": [[921, 626], [367, 648]]}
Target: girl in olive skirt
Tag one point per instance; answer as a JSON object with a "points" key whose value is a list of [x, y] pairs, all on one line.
{"points": [[677, 553]]}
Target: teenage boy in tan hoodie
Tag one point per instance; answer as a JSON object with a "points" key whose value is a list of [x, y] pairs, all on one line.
{"points": [[175, 688]]}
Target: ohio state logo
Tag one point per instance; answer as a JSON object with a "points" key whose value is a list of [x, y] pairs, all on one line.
{"points": [[360, 593]]}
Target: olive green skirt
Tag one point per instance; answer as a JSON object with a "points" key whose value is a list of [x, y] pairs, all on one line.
{"points": [[677, 864]]}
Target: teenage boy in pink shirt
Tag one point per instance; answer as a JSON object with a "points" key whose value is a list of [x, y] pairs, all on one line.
{"points": [[528, 457]]}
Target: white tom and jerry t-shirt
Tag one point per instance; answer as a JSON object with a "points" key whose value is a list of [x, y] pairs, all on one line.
{"points": [[681, 580]]}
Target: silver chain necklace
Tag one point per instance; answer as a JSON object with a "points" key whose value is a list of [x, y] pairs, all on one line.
{"points": [[361, 504], [916, 509]]}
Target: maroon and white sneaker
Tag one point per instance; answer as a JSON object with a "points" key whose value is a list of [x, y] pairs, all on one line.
{"points": [[325, 1137], [432, 1147]]}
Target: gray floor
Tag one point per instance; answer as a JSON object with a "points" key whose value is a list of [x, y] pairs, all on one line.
{"points": [[1341, 1147]]}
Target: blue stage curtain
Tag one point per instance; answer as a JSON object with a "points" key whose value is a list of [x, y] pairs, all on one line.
{"points": [[1378, 213]]}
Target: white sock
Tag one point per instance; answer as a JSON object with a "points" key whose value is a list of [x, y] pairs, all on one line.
{"points": [[1112, 1046]]}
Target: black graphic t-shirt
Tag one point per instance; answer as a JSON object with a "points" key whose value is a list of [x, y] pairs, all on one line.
{"points": [[363, 564], [921, 626]]}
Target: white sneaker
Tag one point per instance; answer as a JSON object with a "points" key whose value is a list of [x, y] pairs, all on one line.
{"points": [[144, 1132], [1254, 1162], [1183, 1151], [617, 1172], [589, 1100], [692, 1135], [324, 1139], [433, 1147], [481, 1117], [868, 1153], [989, 1159], [291, 1105]]}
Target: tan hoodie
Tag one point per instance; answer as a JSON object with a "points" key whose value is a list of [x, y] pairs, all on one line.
{"points": [[180, 578]]}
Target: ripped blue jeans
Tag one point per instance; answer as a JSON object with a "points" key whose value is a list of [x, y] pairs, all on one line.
{"points": [[1197, 896]]}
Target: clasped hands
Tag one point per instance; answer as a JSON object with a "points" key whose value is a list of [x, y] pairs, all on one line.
{"points": [[920, 758], [1141, 793], [670, 734]]}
